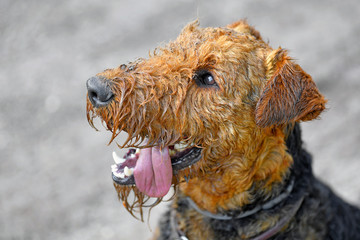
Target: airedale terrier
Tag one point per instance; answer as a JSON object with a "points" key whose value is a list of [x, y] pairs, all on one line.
{"points": [[216, 115]]}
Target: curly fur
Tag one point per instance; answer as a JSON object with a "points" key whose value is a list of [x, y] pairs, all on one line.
{"points": [[246, 126]]}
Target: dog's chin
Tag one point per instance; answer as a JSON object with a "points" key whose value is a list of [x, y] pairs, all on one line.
{"points": [[181, 159]]}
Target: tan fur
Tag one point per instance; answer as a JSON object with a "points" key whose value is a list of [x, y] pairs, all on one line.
{"points": [[240, 125]]}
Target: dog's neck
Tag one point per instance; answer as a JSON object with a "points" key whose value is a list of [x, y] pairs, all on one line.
{"points": [[245, 230], [249, 178], [295, 185], [243, 213]]}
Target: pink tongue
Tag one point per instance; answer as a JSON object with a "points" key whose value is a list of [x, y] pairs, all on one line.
{"points": [[153, 171]]}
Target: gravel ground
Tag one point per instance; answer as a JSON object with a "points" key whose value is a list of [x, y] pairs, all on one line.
{"points": [[55, 170]]}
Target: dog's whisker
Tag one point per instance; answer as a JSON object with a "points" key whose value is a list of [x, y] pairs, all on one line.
{"points": [[215, 115]]}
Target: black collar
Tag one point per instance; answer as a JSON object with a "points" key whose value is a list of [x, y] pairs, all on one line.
{"points": [[226, 217], [268, 205], [302, 172]]}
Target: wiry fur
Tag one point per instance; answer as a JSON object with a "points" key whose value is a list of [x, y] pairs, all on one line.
{"points": [[245, 126]]}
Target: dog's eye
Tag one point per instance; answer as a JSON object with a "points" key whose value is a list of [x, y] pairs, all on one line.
{"points": [[204, 78]]}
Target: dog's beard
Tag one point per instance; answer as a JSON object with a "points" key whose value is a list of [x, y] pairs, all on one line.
{"points": [[115, 121], [135, 201]]}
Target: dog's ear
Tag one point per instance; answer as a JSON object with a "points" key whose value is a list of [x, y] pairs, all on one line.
{"points": [[243, 27], [289, 95]]}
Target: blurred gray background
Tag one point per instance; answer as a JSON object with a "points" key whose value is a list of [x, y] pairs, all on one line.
{"points": [[55, 170]]}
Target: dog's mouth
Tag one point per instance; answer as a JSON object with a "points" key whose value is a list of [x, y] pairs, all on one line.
{"points": [[152, 169]]}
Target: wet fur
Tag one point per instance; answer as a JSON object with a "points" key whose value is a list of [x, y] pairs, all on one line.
{"points": [[323, 215], [247, 127]]}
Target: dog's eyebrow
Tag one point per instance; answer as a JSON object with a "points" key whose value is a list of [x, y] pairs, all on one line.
{"points": [[216, 115]]}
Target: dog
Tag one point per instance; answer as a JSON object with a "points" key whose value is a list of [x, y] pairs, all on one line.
{"points": [[216, 114]]}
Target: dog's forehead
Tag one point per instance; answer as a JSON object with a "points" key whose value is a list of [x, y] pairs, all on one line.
{"points": [[222, 48], [201, 46], [193, 36]]}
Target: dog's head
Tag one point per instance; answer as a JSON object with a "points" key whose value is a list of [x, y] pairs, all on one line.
{"points": [[208, 111]]}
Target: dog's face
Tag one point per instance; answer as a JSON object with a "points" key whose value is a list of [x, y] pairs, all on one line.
{"points": [[216, 99]]}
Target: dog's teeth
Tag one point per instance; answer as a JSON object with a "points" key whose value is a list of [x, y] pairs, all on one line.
{"points": [[119, 175], [128, 171], [114, 167], [180, 146], [137, 150], [177, 146], [117, 159]]}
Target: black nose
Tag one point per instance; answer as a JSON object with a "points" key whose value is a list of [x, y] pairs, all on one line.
{"points": [[99, 91]]}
